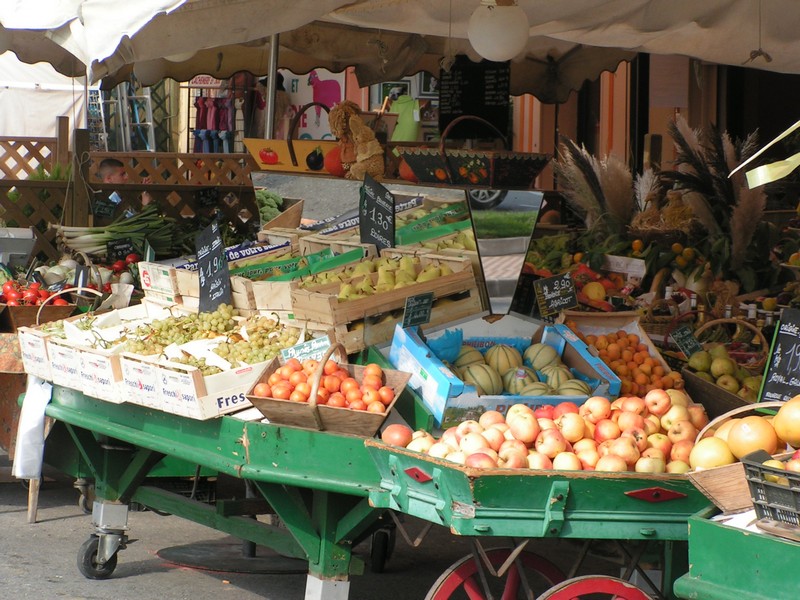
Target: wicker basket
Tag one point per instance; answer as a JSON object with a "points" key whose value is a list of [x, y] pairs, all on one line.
{"points": [[659, 325], [752, 361], [497, 169]]}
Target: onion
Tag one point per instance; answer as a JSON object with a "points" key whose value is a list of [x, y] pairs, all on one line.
{"points": [[68, 262], [126, 278]]}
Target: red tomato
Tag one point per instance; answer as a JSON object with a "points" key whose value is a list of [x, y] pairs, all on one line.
{"points": [[44, 294], [268, 156], [30, 296], [132, 258], [12, 294], [59, 302], [9, 285], [34, 286], [12, 303], [119, 266]]}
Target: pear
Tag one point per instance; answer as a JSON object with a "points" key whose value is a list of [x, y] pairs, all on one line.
{"points": [[404, 277], [346, 291], [700, 361], [407, 265], [445, 269], [722, 366], [718, 351], [429, 274], [363, 268], [365, 287], [386, 276]]}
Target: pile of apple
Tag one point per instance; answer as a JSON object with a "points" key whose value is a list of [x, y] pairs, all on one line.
{"points": [[653, 434], [338, 388]]}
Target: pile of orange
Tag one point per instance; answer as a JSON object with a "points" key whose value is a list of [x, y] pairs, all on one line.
{"points": [[337, 387], [631, 361]]}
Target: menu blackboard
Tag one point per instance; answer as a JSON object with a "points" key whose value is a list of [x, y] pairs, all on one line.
{"points": [[684, 339], [376, 214], [554, 294], [783, 372], [479, 89], [212, 269], [418, 310], [119, 249]]}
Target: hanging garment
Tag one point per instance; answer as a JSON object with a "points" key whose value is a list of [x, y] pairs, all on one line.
{"points": [[408, 120], [201, 112], [222, 114], [211, 115]]}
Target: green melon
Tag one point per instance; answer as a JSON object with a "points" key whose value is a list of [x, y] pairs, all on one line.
{"points": [[516, 378], [574, 387], [539, 388], [468, 355], [503, 357], [539, 355], [483, 377], [557, 377]]}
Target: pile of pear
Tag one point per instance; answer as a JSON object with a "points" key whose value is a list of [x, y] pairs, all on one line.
{"points": [[392, 273], [716, 366], [463, 240]]}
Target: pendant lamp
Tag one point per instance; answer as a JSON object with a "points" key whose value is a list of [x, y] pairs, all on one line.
{"points": [[498, 29]]}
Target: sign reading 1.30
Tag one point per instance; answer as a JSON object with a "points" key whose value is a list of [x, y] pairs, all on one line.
{"points": [[376, 214]]}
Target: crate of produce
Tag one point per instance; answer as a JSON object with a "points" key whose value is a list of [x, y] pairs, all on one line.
{"points": [[323, 305], [315, 243], [355, 419], [775, 493], [242, 296], [14, 317]]}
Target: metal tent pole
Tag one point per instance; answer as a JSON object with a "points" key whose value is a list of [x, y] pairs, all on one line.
{"points": [[272, 86]]}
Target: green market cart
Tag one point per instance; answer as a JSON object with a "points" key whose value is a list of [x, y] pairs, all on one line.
{"points": [[328, 504]]}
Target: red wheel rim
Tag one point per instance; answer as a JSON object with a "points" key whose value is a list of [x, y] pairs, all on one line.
{"points": [[578, 587]]}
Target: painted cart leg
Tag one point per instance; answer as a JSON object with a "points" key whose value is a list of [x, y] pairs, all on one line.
{"points": [[325, 525]]}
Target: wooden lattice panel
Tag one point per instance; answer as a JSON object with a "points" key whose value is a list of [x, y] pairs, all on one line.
{"points": [[35, 204], [19, 157], [166, 168]]}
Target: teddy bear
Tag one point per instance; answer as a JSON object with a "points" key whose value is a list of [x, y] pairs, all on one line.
{"points": [[339, 122], [369, 152]]}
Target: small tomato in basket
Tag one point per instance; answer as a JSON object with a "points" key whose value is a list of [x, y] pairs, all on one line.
{"points": [[119, 266], [132, 258], [59, 302]]}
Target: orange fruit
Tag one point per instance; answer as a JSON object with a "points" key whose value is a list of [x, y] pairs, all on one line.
{"points": [[676, 248], [637, 245]]}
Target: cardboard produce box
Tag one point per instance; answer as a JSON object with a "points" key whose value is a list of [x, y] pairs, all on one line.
{"points": [[451, 400]]}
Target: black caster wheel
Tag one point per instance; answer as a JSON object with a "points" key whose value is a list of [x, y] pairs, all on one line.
{"points": [[86, 500], [87, 561], [381, 548]]}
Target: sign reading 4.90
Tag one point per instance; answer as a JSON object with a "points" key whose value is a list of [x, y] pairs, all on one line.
{"points": [[212, 269], [376, 214]]}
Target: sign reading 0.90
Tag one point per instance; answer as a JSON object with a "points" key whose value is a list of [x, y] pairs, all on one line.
{"points": [[212, 269], [376, 214]]}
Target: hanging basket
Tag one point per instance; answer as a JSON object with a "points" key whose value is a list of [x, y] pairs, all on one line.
{"points": [[501, 169]]}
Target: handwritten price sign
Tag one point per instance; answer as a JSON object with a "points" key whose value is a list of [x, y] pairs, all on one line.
{"points": [[783, 375], [212, 269]]}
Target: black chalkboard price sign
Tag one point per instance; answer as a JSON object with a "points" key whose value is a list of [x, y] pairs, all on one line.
{"points": [[684, 339], [212, 269], [119, 249], [783, 373], [418, 310], [376, 214], [554, 294], [479, 89]]}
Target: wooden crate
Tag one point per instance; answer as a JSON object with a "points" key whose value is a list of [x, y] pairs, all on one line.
{"points": [[290, 217], [14, 317], [725, 486], [323, 306], [716, 400], [320, 417], [242, 295], [315, 243]]}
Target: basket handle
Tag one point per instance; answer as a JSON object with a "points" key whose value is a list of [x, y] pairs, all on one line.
{"points": [[733, 413], [293, 127], [449, 128], [661, 302], [317, 379], [59, 293], [753, 328]]}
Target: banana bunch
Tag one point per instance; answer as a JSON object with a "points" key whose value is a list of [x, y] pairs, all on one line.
{"points": [[392, 274], [463, 240]]}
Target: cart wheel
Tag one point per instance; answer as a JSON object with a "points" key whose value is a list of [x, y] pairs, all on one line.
{"points": [[596, 587], [86, 499], [461, 580], [87, 561], [381, 549]]}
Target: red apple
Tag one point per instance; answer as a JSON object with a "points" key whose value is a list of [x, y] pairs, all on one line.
{"points": [[652, 424], [675, 413], [517, 409], [469, 426], [584, 444], [625, 447], [634, 404], [678, 397], [588, 458], [698, 415], [525, 428], [449, 437], [793, 464], [512, 458], [490, 417], [678, 466], [595, 409], [681, 450], [537, 460], [567, 461], [651, 452], [563, 408], [649, 464], [682, 430], [480, 460], [550, 442], [547, 424], [657, 402], [571, 426], [472, 442], [544, 412], [606, 430], [660, 441], [440, 450], [611, 463], [630, 420], [494, 436], [638, 435]]}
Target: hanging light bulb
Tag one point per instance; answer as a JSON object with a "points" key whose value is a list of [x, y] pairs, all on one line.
{"points": [[498, 29]]}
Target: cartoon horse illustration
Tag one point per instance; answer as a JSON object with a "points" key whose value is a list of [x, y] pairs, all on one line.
{"points": [[325, 91]]}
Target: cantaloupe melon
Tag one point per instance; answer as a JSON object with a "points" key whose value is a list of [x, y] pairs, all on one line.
{"points": [[539, 355], [574, 387], [484, 378], [539, 388], [468, 355], [557, 377], [516, 378], [503, 357]]}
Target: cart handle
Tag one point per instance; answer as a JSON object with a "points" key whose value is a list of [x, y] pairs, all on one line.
{"points": [[317, 378]]}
